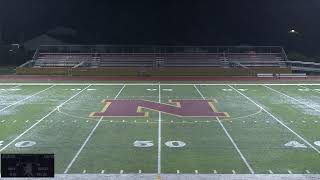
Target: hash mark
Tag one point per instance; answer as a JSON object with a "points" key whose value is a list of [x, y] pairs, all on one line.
{"points": [[215, 171], [270, 172], [307, 171]]}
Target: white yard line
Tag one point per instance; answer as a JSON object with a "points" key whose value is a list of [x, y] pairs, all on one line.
{"points": [[278, 120], [26, 98], [159, 134], [293, 98], [230, 138], [88, 138], [31, 127]]}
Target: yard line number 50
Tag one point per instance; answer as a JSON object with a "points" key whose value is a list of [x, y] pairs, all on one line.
{"points": [[170, 144]]}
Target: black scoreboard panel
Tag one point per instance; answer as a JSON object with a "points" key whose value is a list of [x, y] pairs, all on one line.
{"points": [[27, 165]]}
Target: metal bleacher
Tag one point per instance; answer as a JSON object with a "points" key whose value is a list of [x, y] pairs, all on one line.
{"points": [[105, 56]]}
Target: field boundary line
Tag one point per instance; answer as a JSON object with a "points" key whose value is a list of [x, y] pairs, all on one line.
{"points": [[159, 134], [31, 127], [17, 102], [278, 120], [175, 84], [88, 138], [293, 98], [230, 138]]}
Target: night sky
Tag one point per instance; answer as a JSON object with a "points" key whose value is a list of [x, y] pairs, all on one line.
{"points": [[180, 22]]}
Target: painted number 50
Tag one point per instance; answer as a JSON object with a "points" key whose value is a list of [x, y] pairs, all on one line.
{"points": [[170, 144]]}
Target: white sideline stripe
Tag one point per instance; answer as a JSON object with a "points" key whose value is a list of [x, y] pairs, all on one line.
{"points": [[42, 119], [26, 98], [159, 133], [293, 98], [88, 138], [175, 84], [279, 121], [270, 172], [230, 138]]}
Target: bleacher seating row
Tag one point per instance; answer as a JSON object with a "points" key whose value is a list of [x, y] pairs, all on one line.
{"points": [[159, 60]]}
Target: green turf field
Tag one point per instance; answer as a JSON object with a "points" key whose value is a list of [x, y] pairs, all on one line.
{"points": [[270, 128]]}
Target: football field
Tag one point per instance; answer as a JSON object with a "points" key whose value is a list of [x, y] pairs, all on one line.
{"points": [[162, 128]]}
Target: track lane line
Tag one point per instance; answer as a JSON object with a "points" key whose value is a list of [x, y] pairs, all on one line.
{"points": [[278, 120], [31, 127], [88, 138], [311, 107], [230, 138], [17, 102]]}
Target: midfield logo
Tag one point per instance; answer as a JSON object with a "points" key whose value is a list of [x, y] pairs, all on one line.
{"points": [[181, 108]]}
